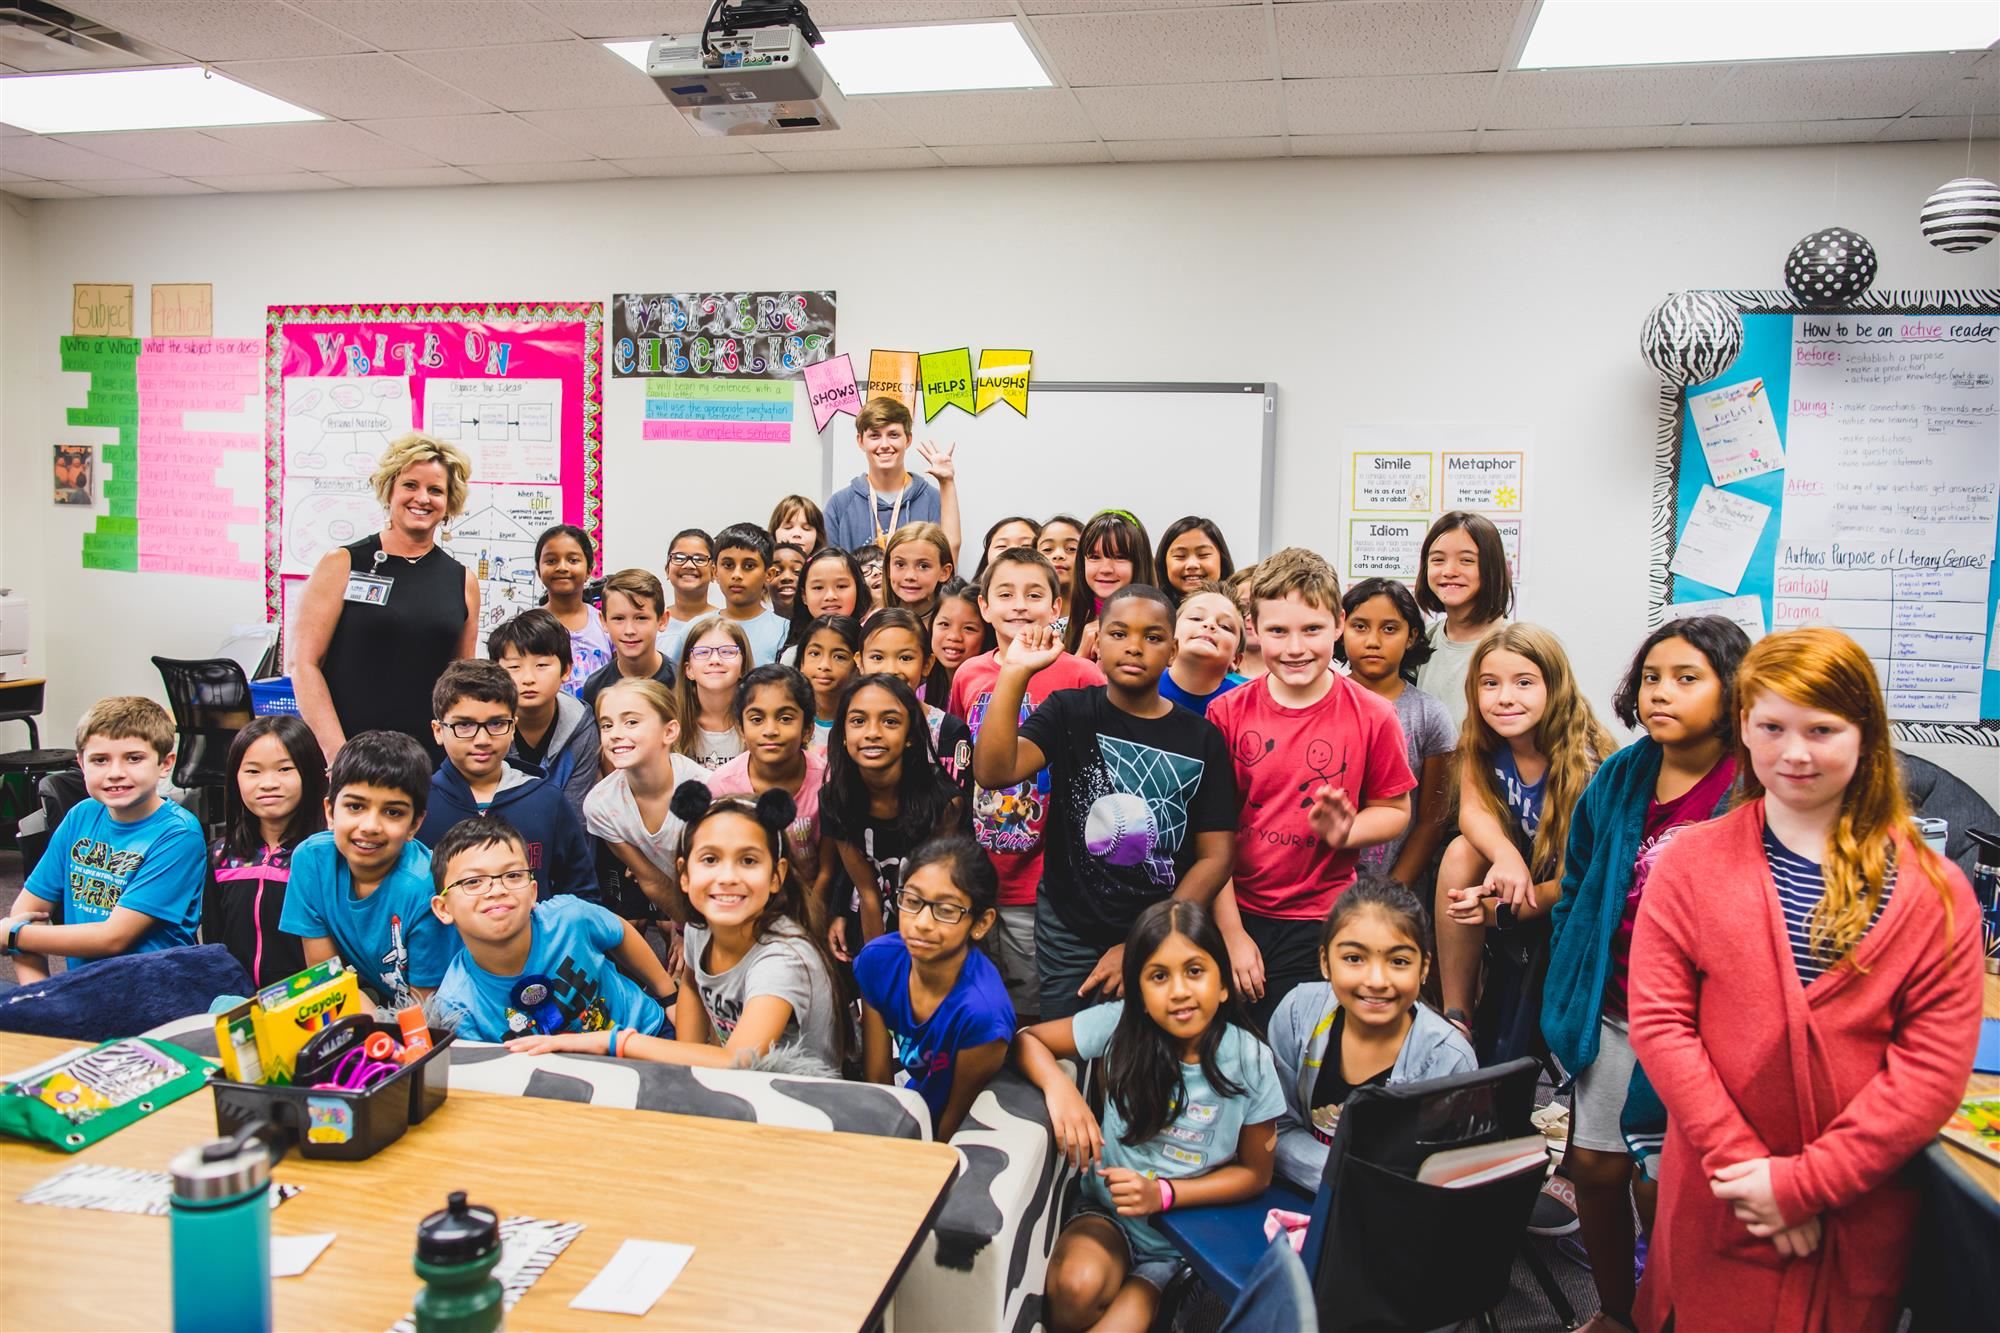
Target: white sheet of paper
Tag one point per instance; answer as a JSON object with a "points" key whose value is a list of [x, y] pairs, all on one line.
{"points": [[291, 1256], [1720, 536], [1747, 611], [637, 1275], [1738, 435]]}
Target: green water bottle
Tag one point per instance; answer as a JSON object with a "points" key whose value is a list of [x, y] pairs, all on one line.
{"points": [[456, 1251]]}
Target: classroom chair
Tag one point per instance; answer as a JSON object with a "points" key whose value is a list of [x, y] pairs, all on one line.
{"points": [[1376, 1247], [210, 700]]}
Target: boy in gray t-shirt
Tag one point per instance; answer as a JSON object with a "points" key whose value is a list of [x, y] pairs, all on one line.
{"points": [[783, 963]]}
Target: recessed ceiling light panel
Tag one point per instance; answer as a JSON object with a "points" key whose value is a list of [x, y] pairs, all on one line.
{"points": [[137, 99], [1573, 33]]}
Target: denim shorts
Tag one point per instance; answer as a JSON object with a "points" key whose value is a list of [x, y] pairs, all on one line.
{"points": [[1155, 1273]]}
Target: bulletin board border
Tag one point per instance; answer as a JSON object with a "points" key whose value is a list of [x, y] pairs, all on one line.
{"points": [[1667, 457], [279, 318]]}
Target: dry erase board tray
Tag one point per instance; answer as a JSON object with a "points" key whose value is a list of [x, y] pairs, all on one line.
{"points": [[339, 1126]]}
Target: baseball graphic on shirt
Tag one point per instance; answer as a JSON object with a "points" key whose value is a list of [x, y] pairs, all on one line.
{"points": [[1120, 829]]}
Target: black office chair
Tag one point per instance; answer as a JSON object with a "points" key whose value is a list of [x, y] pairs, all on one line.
{"points": [[26, 768], [210, 699]]}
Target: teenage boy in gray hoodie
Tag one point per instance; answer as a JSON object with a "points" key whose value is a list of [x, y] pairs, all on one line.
{"points": [[871, 507]]}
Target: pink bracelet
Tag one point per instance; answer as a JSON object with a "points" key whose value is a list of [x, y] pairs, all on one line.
{"points": [[1166, 1194]]}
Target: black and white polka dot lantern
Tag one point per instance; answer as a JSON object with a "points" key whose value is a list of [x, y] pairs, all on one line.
{"points": [[1830, 268], [1691, 337], [1962, 216]]}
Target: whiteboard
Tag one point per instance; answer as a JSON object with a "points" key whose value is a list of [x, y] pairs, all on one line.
{"points": [[1158, 450], [654, 488]]}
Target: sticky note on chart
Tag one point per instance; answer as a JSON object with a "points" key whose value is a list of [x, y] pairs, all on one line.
{"points": [[1722, 532], [1738, 436], [1747, 611]]}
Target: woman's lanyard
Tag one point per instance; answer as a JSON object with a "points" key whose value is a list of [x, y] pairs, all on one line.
{"points": [[895, 513]]}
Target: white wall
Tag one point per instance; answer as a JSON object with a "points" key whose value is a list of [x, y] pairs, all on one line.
{"points": [[1505, 288]]}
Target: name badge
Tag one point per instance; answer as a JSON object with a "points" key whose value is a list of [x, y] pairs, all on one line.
{"points": [[368, 589]]}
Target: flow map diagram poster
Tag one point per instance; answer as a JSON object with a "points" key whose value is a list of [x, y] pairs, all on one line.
{"points": [[517, 387]]}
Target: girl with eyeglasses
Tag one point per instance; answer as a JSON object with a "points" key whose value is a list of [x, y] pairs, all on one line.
{"points": [[690, 572], [929, 967], [713, 658]]}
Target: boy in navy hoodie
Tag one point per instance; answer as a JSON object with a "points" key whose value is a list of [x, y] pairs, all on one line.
{"points": [[473, 709], [887, 495]]}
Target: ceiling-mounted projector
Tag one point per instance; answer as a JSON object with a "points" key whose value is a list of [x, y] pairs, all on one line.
{"points": [[751, 70]]}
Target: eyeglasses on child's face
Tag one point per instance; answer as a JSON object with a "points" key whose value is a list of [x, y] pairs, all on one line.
{"points": [[945, 914], [483, 886], [721, 652], [682, 558], [492, 726]]}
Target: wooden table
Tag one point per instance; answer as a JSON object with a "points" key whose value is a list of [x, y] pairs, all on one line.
{"points": [[791, 1228], [1983, 1170]]}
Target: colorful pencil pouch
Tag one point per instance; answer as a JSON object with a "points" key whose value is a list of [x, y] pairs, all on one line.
{"points": [[80, 1097]]}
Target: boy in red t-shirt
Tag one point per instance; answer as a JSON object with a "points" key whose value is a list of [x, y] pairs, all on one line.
{"points": [[1018, 592], [1320, 771]]}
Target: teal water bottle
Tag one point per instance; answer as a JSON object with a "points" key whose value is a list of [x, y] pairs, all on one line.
{"points": [[221, 1215], [456, 1251]]}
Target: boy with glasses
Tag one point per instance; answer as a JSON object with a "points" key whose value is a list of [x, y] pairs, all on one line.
{"points": [[531, 968], [474, 706]]}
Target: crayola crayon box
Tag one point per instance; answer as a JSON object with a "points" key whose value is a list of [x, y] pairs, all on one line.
{"points": [[259, 1040]]}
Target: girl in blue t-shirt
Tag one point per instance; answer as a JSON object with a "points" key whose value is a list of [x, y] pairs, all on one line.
{"points": [[934, 1006], [1528, 749], [1190, 1115]]}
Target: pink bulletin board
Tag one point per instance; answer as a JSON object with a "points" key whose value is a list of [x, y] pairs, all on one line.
{"points": [[517, 387]]}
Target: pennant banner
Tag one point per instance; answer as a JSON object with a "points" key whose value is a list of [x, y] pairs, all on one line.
{"points": [[947, 380], [1003, 378], [893, 375], [831, 387]]}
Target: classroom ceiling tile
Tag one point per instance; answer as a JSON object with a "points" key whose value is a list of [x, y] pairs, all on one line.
{"points": [[1193, 150], [28, 189], [284, 183], [418, 25], [1021, 154], [633, 131], [1966, 91], [1109, 6], [407, 177], [356, 87], [625, 18], [1392, 104], [1831, 89], [469, 140], [149, 185], [510, 173], [1571, 141], [1023, 115], [206, 31], [1947, 129], [46, 159], [1381, 145], [327, 145], [1183, 111], [722, 164], [1325, 41], [176, 152], [1158, 47], [859, 159], [1751, 133], [1555, 99], [884, 13], [542, 76], [863, 124]]}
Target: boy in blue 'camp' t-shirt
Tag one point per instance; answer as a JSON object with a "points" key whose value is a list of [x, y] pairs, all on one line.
{"points": [[531, 968], [935, 1007], [362, 889], [126, 867]]}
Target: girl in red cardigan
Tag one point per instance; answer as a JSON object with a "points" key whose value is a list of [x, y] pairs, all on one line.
{"points": [[1805, 994]]}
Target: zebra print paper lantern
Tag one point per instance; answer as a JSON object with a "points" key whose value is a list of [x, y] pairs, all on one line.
{"points": [[1691, 337], [1962, 216], [1830, 268]]}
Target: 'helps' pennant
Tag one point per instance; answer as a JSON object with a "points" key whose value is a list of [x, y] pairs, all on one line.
{"points": [[947, 380]]}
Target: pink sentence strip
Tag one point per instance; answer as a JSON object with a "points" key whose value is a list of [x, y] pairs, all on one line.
{"points": [[745, 432]]}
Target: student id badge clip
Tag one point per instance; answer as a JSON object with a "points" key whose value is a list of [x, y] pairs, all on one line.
{"points": [[370, 589]]}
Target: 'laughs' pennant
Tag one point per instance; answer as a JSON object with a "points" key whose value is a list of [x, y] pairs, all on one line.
{"points": [[893, 375], [1003, 378], [947, 378], [831, 387]]}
